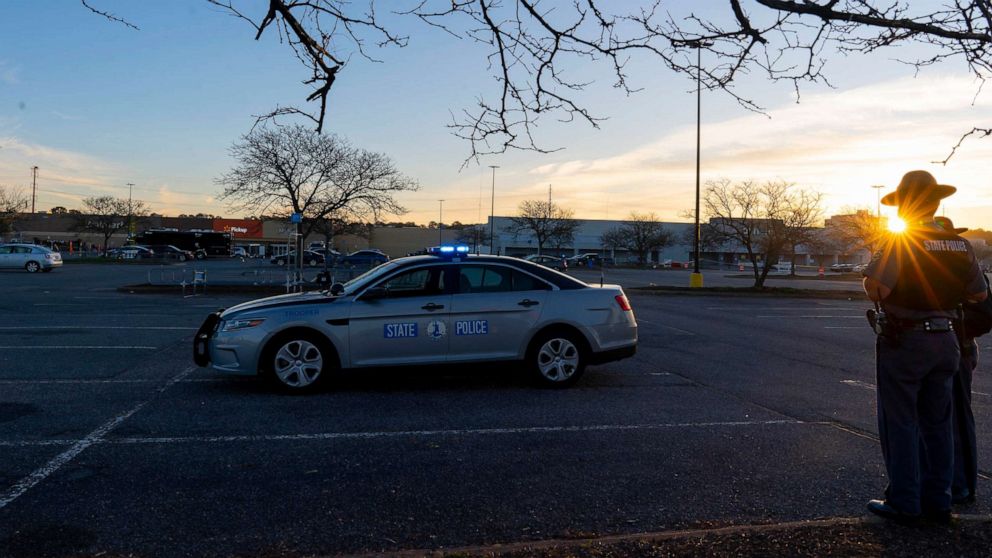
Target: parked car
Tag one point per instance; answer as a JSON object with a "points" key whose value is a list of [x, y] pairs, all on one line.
{"points": [[239, 252], [311, 258], [842, 267], [133, 252], [169, 252], [365, 258], [29, 257], [546, 261], [404, 313], [582, 260]]}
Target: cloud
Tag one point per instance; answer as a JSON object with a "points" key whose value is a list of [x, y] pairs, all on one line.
{"points": [[9, 73], [838, 142]]}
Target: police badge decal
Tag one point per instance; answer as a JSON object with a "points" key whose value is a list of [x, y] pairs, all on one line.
{"points": [[436, 330]]}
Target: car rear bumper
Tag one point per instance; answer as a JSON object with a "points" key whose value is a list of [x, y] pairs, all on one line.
{"points": [[611, 355]]}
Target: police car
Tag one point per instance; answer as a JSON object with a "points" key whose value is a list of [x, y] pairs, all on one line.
{"points": [[444, 307]]}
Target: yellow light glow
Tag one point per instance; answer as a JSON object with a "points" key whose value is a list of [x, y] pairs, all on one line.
{"points": [[896, 225]]}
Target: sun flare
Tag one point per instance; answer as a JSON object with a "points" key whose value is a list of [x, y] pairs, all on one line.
{"points": [[896, 225]]}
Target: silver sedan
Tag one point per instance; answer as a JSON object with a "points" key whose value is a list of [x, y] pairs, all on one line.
{"points": [[425, 310], [29, 257]]}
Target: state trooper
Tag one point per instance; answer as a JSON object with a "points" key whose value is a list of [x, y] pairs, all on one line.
{"points": [[975, 321], [917, 281]]}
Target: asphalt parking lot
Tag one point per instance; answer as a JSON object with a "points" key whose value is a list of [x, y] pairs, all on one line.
{"points": [[734, 411]]}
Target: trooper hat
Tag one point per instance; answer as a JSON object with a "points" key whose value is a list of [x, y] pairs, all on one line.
{"points": [[948, 225], [918, 186]]}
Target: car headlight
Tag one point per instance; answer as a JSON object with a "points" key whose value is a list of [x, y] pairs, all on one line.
{"points": [[245, 323]]}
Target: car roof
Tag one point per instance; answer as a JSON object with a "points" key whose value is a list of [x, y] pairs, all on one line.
{"points": [[560, 280]]}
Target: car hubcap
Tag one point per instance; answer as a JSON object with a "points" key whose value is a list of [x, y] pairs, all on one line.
{"points": [[558, 360], [298, 363], [32, 267]]}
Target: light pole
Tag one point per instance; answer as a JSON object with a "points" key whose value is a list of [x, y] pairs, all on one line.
{"points": [[130, 212], [34, 186], [440, 221], [492, 213], [696, 278], [878, 199]]}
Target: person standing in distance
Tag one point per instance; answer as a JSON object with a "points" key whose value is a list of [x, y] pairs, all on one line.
{"points": [[918, 278], [976, 320]]}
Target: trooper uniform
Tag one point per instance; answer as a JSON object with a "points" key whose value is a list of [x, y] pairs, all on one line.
{"points": [[926, 272]]}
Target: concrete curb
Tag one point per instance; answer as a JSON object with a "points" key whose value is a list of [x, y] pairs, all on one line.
{"points": [[769, 292], [648, 537]]}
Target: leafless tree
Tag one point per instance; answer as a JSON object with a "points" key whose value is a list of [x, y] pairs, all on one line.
{"points": [[803, 219], [293, 169], [13, 202], [474, 235], [549, 223], [611, 239], [640, 233], [857, 229], [107, 216], [765, 220], [534, 46]]}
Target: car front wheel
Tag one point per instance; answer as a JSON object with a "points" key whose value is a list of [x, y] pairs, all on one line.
{"points": [[298, 363], [32, 267], [557, 359]]}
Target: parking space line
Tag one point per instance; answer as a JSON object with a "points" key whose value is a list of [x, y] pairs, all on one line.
{"points": [[866, 385], [115, 381], [15, 328], [809, 316], [415, 433], [95, 437], [129, 347]]}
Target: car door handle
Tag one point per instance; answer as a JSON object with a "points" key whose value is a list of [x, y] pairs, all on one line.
{"points": [[430, 307], [526, 303]]}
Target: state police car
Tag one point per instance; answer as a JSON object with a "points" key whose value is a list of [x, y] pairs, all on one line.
{"points": [[445, 307]]}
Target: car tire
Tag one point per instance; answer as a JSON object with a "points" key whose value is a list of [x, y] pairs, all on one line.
{"points": [[182, 257], [298, 362], [280, 261], [557, 358], [32, 267], [313, 263]]}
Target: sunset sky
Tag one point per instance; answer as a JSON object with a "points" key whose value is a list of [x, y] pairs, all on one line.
{"points": [[96, 105]]}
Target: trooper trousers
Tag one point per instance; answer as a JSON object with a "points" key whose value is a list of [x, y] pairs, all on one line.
{"points": [[914, 377], [965, 442]]}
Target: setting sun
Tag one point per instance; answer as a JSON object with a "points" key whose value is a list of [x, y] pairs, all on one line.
{"points": [[896, 225]]}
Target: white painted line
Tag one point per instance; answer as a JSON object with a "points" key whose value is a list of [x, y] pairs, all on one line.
{"points": [[68, 455], [844, 327], [111, 381], [781, 308], [71, 347], [808, 316], [468, 432], [859, 383], [659, 373], [14, 328]]}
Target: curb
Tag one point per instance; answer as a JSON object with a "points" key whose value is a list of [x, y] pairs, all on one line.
{"points": [[769, 292], [647, 537]]}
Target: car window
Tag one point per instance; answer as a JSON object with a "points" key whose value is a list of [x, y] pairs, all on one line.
{"points": [[21, 250], [424, 281], [6, 249], [496, 279]]}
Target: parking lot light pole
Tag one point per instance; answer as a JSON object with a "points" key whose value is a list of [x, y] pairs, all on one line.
{"points": [[492, 213], [696, 277], [878, 199], [440, 222]]}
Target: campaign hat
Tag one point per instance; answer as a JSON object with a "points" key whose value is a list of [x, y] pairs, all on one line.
{"points": [[918, 186], [948, 225]]}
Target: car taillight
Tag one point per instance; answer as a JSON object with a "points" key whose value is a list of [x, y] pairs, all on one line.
{"points": [[623, 302]]}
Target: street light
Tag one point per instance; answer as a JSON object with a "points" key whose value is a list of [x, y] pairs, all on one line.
{"points": [[492, 213], [696, 278], [878, 199], [440, 221]]}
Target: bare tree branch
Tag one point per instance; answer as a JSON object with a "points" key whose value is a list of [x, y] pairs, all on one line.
{"points": [[109, 16]]}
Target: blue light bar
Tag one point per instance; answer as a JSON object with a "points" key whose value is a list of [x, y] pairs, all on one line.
{"points": [[448, 250]]}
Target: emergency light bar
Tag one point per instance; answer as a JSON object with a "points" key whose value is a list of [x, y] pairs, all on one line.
{"points": [[448, 250]]}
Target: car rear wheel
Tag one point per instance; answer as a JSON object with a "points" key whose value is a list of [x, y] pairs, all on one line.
{"points": [[32, 267], [313, 262], [298, 362], [182, 257], [557, 359], [280, 261]]}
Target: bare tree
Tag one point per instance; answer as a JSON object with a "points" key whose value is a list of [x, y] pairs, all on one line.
{"points": [[611, 239], [13, 202], [533, 46], [802, 218], [857, 229], [640, 233], [764, 220], [475, 235], [549, 223], [292, 169], [107, 216]]}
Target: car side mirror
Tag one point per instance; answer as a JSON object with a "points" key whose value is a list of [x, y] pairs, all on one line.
{"points": [[375, 293], [337, 289]]}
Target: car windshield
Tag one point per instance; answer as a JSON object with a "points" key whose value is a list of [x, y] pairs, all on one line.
{"points": [[368, 276]]}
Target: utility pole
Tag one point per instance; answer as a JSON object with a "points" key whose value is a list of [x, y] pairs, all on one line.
{"points": [[440, 221], [130, 211], [696, 278], [878, 199], [34, 186], [492, 214]]}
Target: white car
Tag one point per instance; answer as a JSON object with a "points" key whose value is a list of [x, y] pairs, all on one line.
{"points": [[445, 308], [29, 257]]}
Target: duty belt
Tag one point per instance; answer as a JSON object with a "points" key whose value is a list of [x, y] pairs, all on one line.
{"points": [[932, 325]]}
